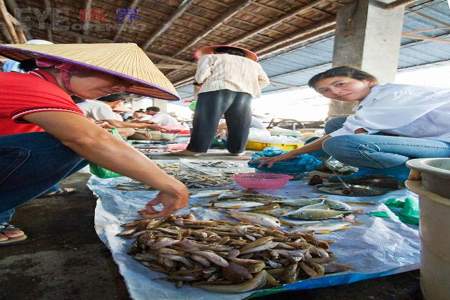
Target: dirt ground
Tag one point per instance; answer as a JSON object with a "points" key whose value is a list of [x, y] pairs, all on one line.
{"points": [[64, 259]]}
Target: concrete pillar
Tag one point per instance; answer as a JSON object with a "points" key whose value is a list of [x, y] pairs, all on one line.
{"points": [[367, 37], [162, 104]]}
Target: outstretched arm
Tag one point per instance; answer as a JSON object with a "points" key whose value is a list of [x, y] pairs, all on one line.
{"points": [[97, 145], [314, 146]]}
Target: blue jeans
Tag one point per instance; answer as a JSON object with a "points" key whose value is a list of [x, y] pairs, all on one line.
{"points": [[379, 151], [30, 164]]}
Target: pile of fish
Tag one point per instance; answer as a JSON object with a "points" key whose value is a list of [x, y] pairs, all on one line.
{"points": [[319, 214], [191, 178], [227, 257]]}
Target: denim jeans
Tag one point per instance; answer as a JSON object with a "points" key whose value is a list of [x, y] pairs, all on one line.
{"points": [[379, 151], [31, 164]]}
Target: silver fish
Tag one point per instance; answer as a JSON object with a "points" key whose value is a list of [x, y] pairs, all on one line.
{"points": [[254, 218], [209, 193], [338, 205], [315, 214], [236, 204], [299, 202]]}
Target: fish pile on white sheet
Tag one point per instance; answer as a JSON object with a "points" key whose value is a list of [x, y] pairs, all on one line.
{"points": [[321, 214], [228, 257]]}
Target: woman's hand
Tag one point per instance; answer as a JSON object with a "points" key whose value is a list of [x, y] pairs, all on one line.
{"points": [[269, 161], [171, 202]]}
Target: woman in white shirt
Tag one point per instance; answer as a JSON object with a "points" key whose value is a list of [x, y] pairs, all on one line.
{"points": [[229, 77], [391, 124]]}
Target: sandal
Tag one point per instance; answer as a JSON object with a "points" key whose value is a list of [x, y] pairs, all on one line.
{"points": [[10, 234]]}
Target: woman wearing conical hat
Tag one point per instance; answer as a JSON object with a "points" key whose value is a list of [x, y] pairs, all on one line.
{"points": [[44, 137], [229, 78]]}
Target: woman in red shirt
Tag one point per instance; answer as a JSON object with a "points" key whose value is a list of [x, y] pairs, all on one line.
{"points": [[44, 137]]}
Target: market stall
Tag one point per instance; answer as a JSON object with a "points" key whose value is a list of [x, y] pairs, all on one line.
{"points": [[368, 241]]}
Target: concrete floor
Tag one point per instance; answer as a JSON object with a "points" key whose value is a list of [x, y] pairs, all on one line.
{"points": [[64, 259]]}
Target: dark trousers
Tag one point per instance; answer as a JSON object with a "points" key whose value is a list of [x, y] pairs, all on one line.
{"points": [[30, 164], [235, 106]]}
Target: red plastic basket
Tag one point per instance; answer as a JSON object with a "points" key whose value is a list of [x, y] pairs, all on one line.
{"points": [[261, 180]]}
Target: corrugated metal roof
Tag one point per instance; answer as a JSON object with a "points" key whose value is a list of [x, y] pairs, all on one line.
{"points": [[295, 67]]}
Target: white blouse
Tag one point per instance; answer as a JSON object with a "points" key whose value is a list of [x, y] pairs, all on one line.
{"points": [[404, 110], [230, 72]]}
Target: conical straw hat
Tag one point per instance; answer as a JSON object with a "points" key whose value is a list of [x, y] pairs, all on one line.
{"points": [[210, 50], [125, 60]]}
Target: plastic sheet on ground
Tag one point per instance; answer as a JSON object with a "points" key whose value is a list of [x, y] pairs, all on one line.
{"points": [[378, 247]]}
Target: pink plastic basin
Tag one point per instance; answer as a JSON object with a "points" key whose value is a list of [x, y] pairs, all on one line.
{"points": [[261, 180]]}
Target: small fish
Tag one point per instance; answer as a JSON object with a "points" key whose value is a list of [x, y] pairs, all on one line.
{"points": [[276, 212], [338, 205], [320, 205], [326, 228], [266, 246], [299, 202], [315, 214], [209, 193], [236, 204], [254, 218], [258, 281], [229, 195]]}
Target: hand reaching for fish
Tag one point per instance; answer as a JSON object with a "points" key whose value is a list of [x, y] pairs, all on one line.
{"points": [[269, 161], [170, 204]]}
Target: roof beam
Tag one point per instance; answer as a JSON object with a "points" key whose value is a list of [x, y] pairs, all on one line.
{"points": [[133, 5], [166, 57], [226, 16], [160, 56], [87, 16], [305, 35], [277, 21], [13, 8], [6, 33], [425, 16], [297, 43], [293, 36], [425, 38], [48, 8], [171, 67], [176, 14], [8, 22]]}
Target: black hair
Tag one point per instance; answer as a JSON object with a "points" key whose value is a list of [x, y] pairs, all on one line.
{"points": [[77, 99], [28, 65], [229, 50], [153, 108], [112, 97], [343, 71]]}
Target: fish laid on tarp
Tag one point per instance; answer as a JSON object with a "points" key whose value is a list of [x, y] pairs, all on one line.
{"points": [[275, 212], [225, 256], [315, 214], [338, 205], [255, 218], [235, 204], [353, 190], [209, 193], [320, 227], [263, 198], [299, 202]]}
